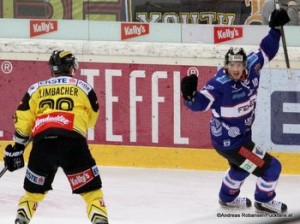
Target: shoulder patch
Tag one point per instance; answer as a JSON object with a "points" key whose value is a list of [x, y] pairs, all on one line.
{"points": [[84, 86], [32, 88]]}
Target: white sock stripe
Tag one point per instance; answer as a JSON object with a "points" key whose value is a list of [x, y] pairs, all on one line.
{"points": [[265, 185], [231, 183]]}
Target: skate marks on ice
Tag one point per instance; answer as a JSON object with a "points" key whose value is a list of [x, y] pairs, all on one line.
{"points": [[142, 196]]}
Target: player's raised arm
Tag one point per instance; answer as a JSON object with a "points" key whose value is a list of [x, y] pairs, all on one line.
{"points": [[270, 44]]}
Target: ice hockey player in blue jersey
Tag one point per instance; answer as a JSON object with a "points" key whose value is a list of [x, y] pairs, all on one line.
{"points": [[231, 95]]}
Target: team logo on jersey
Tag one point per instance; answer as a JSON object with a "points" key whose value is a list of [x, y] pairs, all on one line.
{"points": [[216, 127], [233, 132]]}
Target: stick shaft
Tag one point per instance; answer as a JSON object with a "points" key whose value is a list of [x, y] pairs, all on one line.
{"points": [[3, 171], [285, 51]]}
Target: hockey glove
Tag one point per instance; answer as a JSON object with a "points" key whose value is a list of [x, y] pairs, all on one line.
{"points": [[279, 17], [189, 87], [13, 158]]}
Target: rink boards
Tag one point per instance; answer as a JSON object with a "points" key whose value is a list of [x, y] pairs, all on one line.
{"points": [[171, 158], [143, 122]]}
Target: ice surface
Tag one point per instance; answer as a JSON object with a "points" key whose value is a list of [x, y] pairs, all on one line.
{"points": [[142, 196]]}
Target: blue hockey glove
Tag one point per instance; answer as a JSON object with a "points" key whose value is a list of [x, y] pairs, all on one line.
{"points": [[189, 87], [279, 17], [13, 158]]}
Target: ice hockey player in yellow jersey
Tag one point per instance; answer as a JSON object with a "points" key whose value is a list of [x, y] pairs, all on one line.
{"points": [[55, 114]]}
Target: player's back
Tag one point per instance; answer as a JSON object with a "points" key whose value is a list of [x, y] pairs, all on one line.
{"points": [[62, 105]]}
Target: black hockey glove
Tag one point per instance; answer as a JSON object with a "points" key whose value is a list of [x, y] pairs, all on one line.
{"points": [[189, 87], [279, 17], [13, 158]]}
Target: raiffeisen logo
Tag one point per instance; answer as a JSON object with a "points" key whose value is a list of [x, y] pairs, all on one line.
{"points": [[222, 33], [131, 30], [39, 27]]}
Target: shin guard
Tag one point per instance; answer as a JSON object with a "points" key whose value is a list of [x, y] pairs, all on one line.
{"points": [[27, 206], [95, 206]]}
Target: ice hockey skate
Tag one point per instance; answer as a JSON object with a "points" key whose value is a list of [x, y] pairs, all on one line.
{"points": [[100, 221], [271, 207], [21, 220], [239, 202]]}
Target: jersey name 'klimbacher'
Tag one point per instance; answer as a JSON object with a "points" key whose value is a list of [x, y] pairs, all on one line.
{"points": [[57, 105], [233, 102]]}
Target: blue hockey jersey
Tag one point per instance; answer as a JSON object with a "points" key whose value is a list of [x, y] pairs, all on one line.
{"points": [[233, 103]]}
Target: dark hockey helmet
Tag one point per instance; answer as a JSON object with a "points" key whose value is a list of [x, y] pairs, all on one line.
{"points": [[236, 54], [61, 61]]}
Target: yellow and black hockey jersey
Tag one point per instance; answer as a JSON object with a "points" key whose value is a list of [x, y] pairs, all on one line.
{"points": [[59, 106]]}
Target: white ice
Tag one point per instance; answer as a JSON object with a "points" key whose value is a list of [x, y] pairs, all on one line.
{"points": [[142, 196]]}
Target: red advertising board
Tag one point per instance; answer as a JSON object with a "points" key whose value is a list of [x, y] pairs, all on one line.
{"points": [[39, 27], [132, 30], [226, 33], [140, 104]]}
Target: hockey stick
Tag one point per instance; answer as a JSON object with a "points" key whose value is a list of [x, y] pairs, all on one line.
{"points": [[3, 171], [286, 56]]}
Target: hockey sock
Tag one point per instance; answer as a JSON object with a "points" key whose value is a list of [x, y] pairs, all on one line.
{"points": [[231, 184], [95, 208], [265, 190], [28, 205], [266, 184]]}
